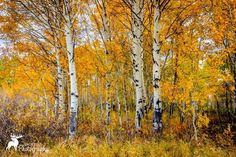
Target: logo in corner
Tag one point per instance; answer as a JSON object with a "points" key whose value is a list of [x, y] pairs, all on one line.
{"points": [[14, 142]]}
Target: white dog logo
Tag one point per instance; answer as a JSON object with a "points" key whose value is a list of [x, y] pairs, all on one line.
{"points": [[14, 142]]}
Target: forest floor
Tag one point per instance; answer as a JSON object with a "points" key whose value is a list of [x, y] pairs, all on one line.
{"points": [[176, 140], [87, 146]]}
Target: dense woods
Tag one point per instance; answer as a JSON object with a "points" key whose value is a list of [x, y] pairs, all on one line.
{"points": [[118, 77]]}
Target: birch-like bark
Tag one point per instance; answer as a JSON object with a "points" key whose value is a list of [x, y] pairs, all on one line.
{"points": [[194, 116], [137, 48], [59, 106], [72, 70], [194, 119], [145, 100], [125, 101], [144, 92], [118, 100], [60, 87], [56, 103], [100, 97], [157, 116], [106, 38]]}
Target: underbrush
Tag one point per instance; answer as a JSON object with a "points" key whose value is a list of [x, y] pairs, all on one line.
{"points": [[92, 135], [87, 146]]}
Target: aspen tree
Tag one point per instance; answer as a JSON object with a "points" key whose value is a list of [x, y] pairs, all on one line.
{"points": [[157, 117], [137, 50], [72, 69]]}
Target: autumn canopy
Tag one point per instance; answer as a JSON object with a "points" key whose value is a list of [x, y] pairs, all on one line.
{"points": [[146, 77]]}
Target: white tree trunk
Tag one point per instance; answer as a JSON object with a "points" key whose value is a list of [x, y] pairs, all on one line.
{"points": [[59, 109], [137, 49], [46, 102], [100, 96], [145, 100], [56, 104], [118, 100], [106, 38], [59, 106], [157, 117], [142, 55], [72, 71], [125, 101], [194, 120], [60, 87]]}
